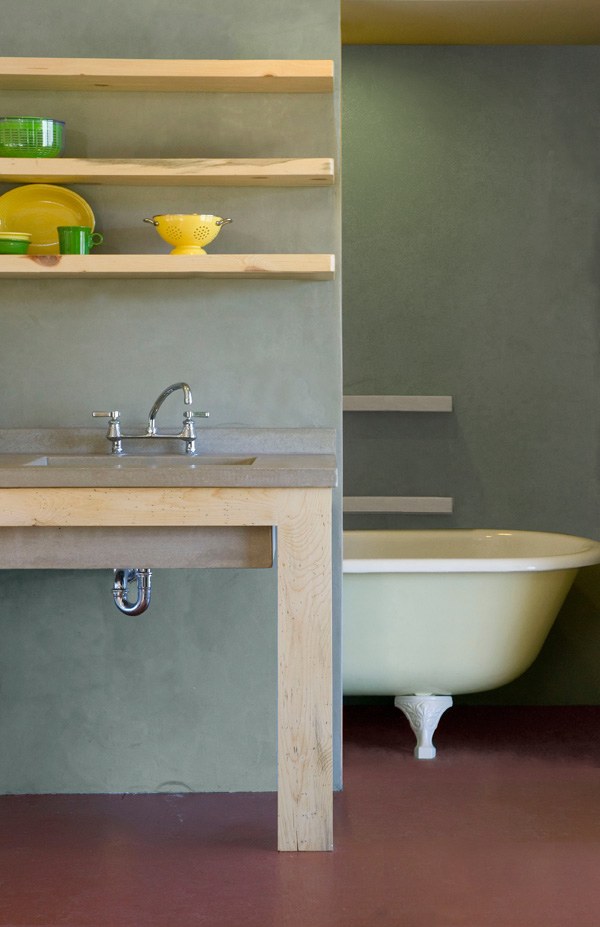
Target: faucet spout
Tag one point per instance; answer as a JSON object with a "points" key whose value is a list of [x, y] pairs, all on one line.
{"points": [[187, 398]]}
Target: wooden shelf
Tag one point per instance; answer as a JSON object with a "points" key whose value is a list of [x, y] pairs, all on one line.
{"points": [[248, 266], [155, 75], [402, 505], [181, 172], [465, 22], [397, 403]]}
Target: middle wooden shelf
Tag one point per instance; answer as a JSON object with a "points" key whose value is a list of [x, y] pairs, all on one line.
{"points": [[248, 266], [231, 172]]}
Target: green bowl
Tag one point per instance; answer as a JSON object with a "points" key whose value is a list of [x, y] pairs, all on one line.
{"points": [[13, 246], [31, 137]]}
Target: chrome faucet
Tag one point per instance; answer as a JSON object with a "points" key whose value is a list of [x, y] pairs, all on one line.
{"points": [[187, 433], [187, 398]]}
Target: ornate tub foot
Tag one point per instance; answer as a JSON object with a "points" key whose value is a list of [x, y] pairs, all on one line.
{"points": [[423, 713]]}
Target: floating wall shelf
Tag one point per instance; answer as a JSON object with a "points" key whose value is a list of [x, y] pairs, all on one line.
{"points": [[404, 505], [397, 403], [155, 75], [466, 22], [233, 172], [248, 266], [179, 75]]}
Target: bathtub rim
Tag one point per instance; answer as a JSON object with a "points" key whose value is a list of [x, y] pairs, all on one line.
{"points": [[587, 555]]}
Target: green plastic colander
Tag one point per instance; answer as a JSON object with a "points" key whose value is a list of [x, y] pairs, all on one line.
{"points": [[31, 137]]}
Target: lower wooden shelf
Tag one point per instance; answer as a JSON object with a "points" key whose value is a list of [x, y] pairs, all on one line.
{"points": [[397, 403], [403, 505], [249, 266]]}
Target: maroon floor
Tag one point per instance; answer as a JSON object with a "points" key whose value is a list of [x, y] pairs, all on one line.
{"points": [[501, 830]]}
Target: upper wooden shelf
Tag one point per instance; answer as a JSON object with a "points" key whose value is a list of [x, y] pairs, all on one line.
{"points": [[397, 403], [470, 22], [131, 74], [248, 266], [262, 172]]}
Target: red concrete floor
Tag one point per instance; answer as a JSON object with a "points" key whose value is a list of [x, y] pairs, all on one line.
{"points": [[502, 829]]}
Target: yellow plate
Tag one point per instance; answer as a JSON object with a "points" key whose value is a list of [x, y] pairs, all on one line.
{"points": [[39, 208]]}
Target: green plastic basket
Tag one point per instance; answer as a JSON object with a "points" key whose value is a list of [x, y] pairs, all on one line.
{"points": [[31, 137]]}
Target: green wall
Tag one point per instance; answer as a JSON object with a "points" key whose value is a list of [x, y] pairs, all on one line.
{"points": [[185, 697], [471, 268]]}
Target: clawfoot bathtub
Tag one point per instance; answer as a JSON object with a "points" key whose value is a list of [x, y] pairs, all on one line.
{"points": [[431, 614]]}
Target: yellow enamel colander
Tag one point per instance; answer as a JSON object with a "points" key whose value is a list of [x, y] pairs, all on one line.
{"points": [[188, 233]]}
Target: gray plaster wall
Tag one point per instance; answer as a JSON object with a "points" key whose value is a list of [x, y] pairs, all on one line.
{"points": [[185, 698], [471, 268]]}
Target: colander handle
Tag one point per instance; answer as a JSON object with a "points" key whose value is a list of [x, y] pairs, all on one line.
{"points": [[151, 221], [223, 221]]}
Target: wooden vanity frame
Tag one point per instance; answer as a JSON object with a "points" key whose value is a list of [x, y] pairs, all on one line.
{"points": [[302, 519]]}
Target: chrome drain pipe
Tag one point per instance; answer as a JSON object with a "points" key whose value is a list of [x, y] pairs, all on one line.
{"points": [[143, 579]]}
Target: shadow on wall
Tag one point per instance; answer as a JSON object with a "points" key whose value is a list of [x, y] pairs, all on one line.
{"points": [[566, 671]]}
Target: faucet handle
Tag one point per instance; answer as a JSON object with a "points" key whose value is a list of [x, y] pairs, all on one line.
{"points": [[189, 431], [113, 415], [113, 432], [189, 416]]}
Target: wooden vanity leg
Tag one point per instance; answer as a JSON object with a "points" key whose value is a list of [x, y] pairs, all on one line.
{"points": [[305, 783]]}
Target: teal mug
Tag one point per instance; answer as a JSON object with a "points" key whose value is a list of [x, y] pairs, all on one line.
{"points": [[77, 239]]}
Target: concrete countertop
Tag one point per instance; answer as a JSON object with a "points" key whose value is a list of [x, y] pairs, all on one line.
{"points": [[228, 457]]}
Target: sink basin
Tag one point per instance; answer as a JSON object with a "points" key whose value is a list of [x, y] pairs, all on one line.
{"points": [[159, 462]]}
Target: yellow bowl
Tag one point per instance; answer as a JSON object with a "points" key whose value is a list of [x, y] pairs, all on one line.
{"points": [[188, 233]]}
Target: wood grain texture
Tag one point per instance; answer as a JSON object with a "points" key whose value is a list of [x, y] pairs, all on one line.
{"points": [[147, 507], [257, 266], [182, 75], [305, 760], [181, 172]]}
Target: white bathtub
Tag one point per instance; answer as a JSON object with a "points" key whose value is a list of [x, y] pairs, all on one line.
{"points": [[437, 613]]}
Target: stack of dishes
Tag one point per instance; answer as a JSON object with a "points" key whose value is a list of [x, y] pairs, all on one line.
{"points": [[37, 209], [14, 242]]}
